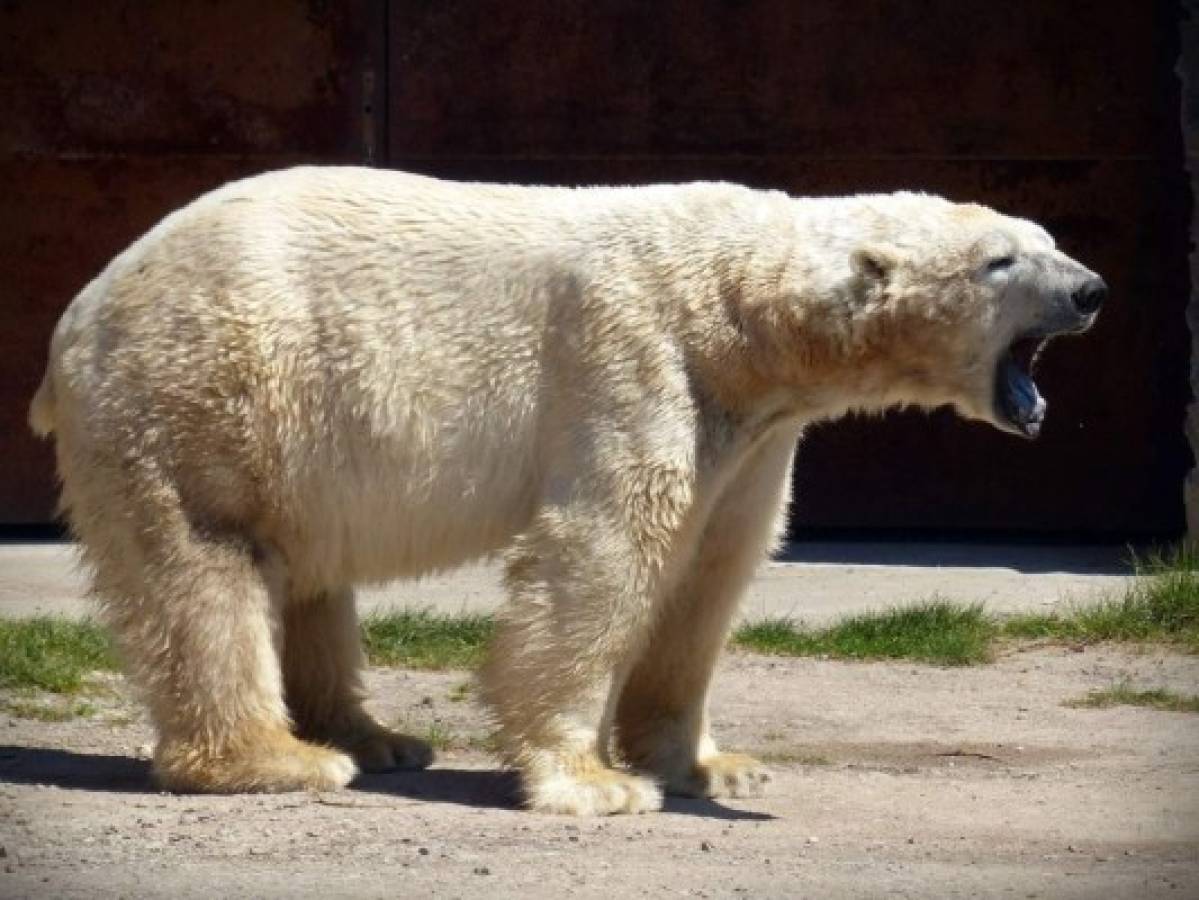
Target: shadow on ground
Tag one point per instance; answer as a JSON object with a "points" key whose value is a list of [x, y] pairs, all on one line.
{"points": [[501, 790], [75, 771], [480, 788]]}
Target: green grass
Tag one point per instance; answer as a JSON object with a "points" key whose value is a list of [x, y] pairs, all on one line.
{"points": [[438, 736], [1124, 694], [52, 654], [424, 640], [1162, 604], [783, 754], [935, 632], [48, 712], [56, 655]]}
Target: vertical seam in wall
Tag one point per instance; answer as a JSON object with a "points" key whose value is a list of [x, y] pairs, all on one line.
{"points": [[371, 20], [383, 91]]}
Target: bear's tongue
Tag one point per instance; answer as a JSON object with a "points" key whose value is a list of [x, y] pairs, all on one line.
{"points": [[1017, 396]]}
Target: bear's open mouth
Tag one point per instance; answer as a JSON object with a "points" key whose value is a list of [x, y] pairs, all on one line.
{"points": [[1018, 403]]}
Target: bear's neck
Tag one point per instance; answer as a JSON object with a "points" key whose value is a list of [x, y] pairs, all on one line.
{"points": [[769, 323], [758, 288]]}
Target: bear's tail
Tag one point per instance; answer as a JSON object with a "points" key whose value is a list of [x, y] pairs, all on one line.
{"points": [[41, 410]]}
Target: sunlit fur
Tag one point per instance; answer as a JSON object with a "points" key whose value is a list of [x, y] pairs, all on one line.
{"points": [[323, 377]]}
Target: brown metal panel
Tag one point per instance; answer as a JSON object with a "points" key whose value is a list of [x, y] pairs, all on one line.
{"points": [[116, 113], [819, 78], [1066, 112], [273, 76]]}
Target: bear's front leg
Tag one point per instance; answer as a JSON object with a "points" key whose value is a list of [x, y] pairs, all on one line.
{"points": [[661, 719], [583, 581]]}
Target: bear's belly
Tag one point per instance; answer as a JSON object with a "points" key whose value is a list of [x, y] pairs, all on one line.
{"points": [[399, 512]]}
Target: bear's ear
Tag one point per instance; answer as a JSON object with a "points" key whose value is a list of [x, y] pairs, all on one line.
{"points": [[873, 262]]}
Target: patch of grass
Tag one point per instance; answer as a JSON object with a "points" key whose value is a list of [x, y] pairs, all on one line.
{"points": [[488, 743], [425, 640], [436, 733], [52, 654], [1161, 604], [935, 632], [49, 712], [121, 719], [439, 737], [1037, 626], [1124, 694], [784, 756]]}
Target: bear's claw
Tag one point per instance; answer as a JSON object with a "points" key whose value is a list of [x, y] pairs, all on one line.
{"points": [[722, 775], [384, 750]]}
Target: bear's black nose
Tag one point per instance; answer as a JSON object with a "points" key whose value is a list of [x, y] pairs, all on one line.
{"points": [[1088, 298]]}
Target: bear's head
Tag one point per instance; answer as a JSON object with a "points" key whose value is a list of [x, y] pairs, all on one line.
{"points": [[951, 304]]}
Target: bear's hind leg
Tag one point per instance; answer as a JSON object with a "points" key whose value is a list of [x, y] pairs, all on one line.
{"points": [[322, 672], [196, 622]]}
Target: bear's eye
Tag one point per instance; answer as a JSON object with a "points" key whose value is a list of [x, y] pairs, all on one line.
{"points": [[1000, 263]]}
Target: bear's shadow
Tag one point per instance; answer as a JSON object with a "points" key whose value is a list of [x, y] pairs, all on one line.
{"points": [[498, 789], [481, 788], [75, 771]]}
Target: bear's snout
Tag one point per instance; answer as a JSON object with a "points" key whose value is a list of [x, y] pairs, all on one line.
{"points": [[1090, 296]]}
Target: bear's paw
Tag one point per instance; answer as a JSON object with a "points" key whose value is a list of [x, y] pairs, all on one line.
{"points": [[600, 792], [722, 775]]}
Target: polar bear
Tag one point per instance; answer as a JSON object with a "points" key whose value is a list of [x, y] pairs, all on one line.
{"points": [[321, 377]]}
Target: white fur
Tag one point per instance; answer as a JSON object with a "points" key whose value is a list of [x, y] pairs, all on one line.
{"points": [[323, 377]]}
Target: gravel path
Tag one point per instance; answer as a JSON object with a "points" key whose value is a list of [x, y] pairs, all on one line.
{"points": [[891, 780]]}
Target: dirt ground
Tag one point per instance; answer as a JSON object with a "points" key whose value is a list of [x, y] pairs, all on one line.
{"points": [[891, 780]]}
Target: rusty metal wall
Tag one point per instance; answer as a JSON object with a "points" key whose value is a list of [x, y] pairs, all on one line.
{"points": [[117, 112], [1066, 112]]}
